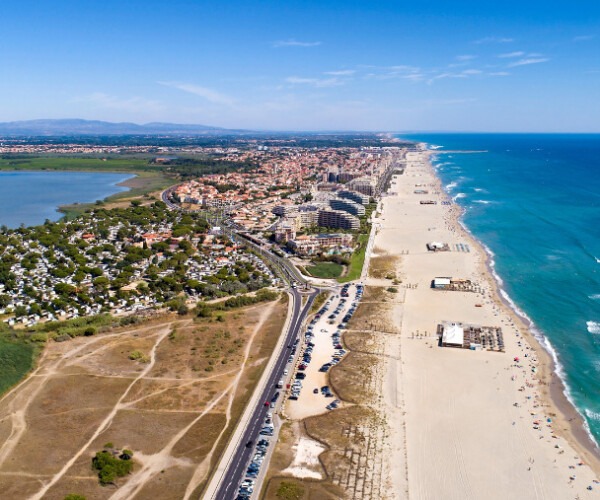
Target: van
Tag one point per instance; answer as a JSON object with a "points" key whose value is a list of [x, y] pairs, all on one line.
{"points": [[280, 384]]}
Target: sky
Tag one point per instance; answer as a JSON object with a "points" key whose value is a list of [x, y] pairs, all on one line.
{"points": [[501, 66]]}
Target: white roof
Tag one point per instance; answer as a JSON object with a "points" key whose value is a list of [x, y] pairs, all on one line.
{"points": [[453, 334], [441, 281]]}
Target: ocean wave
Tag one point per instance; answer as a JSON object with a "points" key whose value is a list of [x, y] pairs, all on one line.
{"points": [[433, 146], [593, 327], [458, 196], [451, 186], [592, 415], [480, 190], [482, 202], [538, 334], [597, 260], [594, 296]]}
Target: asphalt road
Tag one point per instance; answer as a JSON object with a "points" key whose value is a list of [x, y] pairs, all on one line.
{"points": [[239, 462]]}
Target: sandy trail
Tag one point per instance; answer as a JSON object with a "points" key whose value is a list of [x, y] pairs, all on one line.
{"points": [[153, 464], [161, 335], [202, 470]]}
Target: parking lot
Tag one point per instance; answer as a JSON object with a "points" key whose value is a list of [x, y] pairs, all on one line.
{"points": [[321, 348], [304, 387]]}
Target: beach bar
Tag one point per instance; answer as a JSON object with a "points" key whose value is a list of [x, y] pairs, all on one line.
{"points": [[436, 246], [474, 337]]}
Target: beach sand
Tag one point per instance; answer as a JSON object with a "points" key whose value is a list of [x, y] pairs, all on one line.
{"points": [[463, 423]]}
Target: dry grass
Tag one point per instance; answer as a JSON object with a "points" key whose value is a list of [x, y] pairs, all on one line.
{"points": [[354, 434], [81, 389], [383, 265], [373, 316]]}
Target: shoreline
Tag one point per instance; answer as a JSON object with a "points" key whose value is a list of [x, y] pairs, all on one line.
{"points": [[488, 419], [73, 208], [553, 388]]}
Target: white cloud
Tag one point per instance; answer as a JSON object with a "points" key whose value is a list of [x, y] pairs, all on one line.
{"points": [[583, 38], [517, 53], [294, 43], [208, 94], [465, 57], [494, 39], [131, 104], [315, 82], [472, 72], [341, 72], [443, 76], [499, 73], [528, 61]]}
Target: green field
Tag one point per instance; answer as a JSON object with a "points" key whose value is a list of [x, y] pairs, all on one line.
{"points": [[16, 359], [81, 164], [357, 260], [325, 270]]}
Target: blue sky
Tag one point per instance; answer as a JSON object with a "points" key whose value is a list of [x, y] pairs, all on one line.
{"points": [[305, 65]]}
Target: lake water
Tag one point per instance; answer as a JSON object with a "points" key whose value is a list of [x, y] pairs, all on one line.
{"points": [[32, 197]]}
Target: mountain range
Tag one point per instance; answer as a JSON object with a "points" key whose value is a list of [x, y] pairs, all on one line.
{"points": [[78, 127]]}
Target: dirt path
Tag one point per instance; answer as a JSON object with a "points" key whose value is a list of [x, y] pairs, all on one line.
{"points": [[161, 335], [153, 464]]}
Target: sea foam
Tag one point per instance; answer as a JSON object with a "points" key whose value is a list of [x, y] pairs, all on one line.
{"points": [[593, 327]]}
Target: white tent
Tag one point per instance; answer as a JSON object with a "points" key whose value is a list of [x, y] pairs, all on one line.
{"points": [[453, 335]]}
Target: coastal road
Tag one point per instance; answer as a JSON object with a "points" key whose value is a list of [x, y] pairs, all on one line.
{"points": [[231, 477]]}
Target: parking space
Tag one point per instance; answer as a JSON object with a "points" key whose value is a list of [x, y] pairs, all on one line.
{"points": [[321, 348]]}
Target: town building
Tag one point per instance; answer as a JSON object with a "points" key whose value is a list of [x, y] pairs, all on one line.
{"points": [[338, 219]]}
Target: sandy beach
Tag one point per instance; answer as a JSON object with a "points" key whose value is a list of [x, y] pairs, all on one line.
{"points": [[467, 423]]}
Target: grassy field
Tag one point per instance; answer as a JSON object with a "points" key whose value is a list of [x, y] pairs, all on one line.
{"points": [[81, 164], [325, 270], [357, 260], [179, 405], [16, 359]]}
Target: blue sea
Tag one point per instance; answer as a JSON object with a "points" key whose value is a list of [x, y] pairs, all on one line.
{"points": [[32, 197], [534, 201]]}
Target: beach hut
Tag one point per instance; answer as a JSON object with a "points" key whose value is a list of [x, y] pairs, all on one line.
{"points": [[440, 283], [453, 336]]}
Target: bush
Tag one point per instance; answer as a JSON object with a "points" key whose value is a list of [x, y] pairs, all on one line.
{"points": [[138, 356], [73, 496], [110, 467], [39, 337]]}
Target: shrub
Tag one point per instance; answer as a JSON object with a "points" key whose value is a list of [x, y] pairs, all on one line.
{"points": [[138, 356], [110, 467]]}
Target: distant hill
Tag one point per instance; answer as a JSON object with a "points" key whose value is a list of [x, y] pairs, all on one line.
{"points": [[77, 127]]}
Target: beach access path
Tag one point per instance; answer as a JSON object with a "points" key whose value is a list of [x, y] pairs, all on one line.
{"points": [[464, 424]]}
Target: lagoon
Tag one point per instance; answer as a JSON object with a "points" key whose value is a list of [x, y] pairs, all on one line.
{"points": [[30, 198]]}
